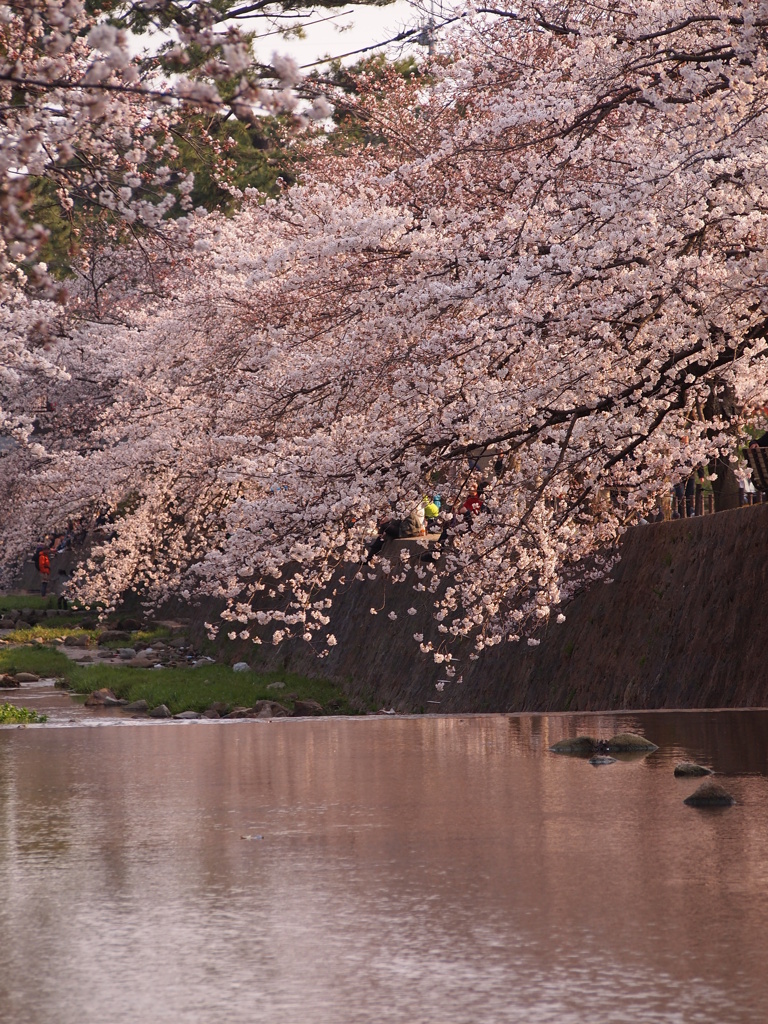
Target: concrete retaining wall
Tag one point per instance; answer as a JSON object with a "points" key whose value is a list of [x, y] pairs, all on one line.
{"points": [[682, 625]]}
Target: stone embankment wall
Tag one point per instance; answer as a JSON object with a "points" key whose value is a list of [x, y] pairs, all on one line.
{"points": [[682, 625]]}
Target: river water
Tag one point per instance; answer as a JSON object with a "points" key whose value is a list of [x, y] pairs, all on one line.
{"points": [[430, 870]]}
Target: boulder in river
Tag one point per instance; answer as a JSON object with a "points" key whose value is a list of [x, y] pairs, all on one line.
{"points": [[8, 682], [98, 698], [575, 745], [687, 769], [137, 705], [27, 677], [161, 711], [629, 741], [710, 794]]}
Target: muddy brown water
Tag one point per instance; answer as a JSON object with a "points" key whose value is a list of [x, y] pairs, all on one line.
{"points": [[425, 870]]}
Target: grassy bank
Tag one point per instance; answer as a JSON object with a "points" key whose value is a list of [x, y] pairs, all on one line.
{"points": [[35, 601], [180, 689]]}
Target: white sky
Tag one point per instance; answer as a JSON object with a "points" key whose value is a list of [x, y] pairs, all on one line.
{"points": [[353, 28]]}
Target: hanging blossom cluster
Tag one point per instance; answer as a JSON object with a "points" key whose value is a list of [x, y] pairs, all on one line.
{"points": [[554, 257]]}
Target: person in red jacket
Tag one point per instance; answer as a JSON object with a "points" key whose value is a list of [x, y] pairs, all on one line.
{"points": [[43, 561], [474, 501]]}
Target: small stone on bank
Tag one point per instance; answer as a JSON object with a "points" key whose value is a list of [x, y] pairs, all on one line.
{"points": [[269, 709], [241, 666], [112, 636], [161, 711], [302, 708], [76, 640]]}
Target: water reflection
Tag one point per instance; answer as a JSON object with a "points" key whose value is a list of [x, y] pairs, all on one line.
{"points": [[409, 870]]}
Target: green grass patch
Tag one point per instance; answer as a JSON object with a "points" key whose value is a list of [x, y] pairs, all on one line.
{"points": [[195, 689], [43, 661], [11, 715], [9, 601], [49, 631], [180, 689]]}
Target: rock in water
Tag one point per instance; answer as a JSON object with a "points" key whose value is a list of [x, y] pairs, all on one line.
{"points": [[629, 741], [599, 759], [27, 677], [575, 745], [9, 682], [98, 698], [688, 769], [709, 794], [161, 711]]}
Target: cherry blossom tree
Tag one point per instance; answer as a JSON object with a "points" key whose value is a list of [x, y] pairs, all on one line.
{"points": [[95, 99], [89, 109], [552, 259]]}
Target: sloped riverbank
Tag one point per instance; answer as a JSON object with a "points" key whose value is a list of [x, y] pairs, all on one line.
{"points": [[682, 625]]}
